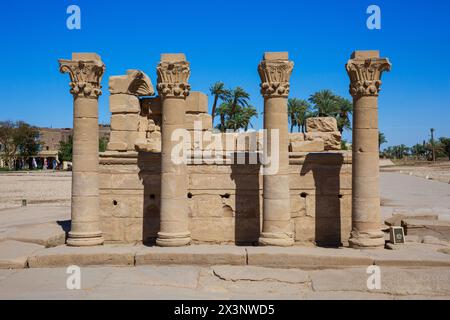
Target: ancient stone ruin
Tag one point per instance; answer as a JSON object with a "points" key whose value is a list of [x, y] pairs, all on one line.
{"points": [[268, 187]]}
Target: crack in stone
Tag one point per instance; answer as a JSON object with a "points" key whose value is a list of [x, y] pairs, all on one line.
{"points": [[258, 280]]}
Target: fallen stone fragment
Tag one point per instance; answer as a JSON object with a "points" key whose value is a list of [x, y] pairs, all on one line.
{"points": [[45, 234], [14, 254]]}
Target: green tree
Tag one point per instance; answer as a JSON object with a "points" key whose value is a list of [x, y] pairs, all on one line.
{"points": [[298, 112], [65, 151], [345, 110], [219, 92], [445, 142], [324, 103], [102, 144], [18, 139], [238, 97], [381, 139]]}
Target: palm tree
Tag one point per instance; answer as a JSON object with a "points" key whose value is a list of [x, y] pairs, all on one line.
{"points": [[239, 96], [381, 139], [345, 109], [325, 103], [247, 114], [219, 92], [223, 111], [298, 111]]}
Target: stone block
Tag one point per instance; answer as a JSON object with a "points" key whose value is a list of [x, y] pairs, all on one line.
{"points": [[365, 54], [306, 257], [321, 124], [276, 56], [125, 122], [173, 57], [191, 255], [63, 256], [124, 103], [307, 146], [331, 140], [86, 56], [197, 102], [201, 121]]}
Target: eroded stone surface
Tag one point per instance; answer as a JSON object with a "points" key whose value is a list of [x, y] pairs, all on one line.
{"points": [[14, 254]]}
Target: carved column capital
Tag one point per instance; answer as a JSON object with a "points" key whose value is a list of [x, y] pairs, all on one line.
{"points": [[275, 71], [173, 75], [365, 75], [86, 72]]}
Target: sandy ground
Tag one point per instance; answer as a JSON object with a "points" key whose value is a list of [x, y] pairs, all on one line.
{"points": [[38, 188], [439, 171]]}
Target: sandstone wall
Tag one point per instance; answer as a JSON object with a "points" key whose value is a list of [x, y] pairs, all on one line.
{"points": [[225, 201]]}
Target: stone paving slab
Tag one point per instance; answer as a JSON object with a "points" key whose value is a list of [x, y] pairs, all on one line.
{"points": [[407, 255], [192, 255], [14, 254], [109, 255], [306, 257], [45, 234], [251, 273]]}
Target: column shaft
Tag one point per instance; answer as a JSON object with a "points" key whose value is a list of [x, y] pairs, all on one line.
{"points": [[86, 71], [365, 69], [173, 74], [275, 70], [174, 209]]}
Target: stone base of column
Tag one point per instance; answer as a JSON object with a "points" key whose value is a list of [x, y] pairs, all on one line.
{"points": [[366, 239], [276, 239], [85, 239], [173, 239]]}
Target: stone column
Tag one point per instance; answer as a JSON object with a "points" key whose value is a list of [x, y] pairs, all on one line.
{"points": [[365, 69], [173, 88], [275, 70], [86, 71]]}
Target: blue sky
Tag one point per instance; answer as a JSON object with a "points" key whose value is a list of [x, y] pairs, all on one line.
{"points": [[224, 40]]}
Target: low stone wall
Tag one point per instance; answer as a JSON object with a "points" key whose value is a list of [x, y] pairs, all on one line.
{"points": [[225, 201]]}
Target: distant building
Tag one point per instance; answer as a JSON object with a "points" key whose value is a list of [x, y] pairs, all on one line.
{"points": [[50, 137]]}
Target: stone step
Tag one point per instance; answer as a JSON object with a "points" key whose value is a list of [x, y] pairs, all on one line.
{"points": [[410, 254]]}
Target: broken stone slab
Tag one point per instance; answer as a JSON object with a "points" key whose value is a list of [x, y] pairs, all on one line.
{"points": [[45, 234], [437, 228], [321, 124], [252, 273], [135, 82], [397, 217], [306, 257], [14, 254], [63, 256], [191, 255]]}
